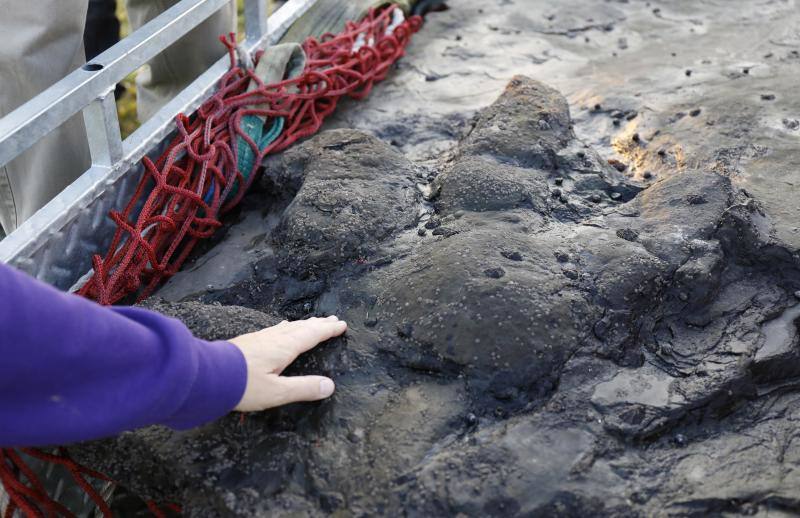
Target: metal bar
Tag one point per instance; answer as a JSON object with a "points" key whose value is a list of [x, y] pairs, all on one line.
{"points": [[56, 244], [102, 130], [24, 126], [279, 23]]}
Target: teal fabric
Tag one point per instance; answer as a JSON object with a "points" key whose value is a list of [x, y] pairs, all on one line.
{"points": [[254, 127], [279, 62]]}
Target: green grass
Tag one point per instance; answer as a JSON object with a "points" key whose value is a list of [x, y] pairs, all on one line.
{"points": [[126, 104]]}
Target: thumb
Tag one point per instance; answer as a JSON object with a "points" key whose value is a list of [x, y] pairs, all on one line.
{"points": [[292, 389]]}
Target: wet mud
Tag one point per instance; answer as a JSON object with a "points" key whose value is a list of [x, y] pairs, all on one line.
{"points": [[565, 240]]}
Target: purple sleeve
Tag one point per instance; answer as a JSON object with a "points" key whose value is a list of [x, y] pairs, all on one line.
{"points": [[71, 370]]}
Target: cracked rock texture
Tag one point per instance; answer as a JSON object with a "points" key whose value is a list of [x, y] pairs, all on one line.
{"points": [[559, 305]]}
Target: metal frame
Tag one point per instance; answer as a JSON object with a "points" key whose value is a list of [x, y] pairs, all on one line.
{"points": [[56, 244]]}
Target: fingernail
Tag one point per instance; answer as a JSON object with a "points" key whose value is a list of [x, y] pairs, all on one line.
{"points": [[326, 387]]}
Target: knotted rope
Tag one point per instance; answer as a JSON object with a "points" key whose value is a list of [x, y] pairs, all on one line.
{"points": [[200, 176]]}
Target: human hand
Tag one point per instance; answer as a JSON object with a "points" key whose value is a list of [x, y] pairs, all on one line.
{"points": [[269, 351]]}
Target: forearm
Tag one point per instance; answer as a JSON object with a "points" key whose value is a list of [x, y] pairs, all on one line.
{"points": [[72, 370]]}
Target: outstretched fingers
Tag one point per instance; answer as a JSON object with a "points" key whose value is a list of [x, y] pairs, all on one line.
{"points": [[307, 334], [268, 352], [293, 389]]}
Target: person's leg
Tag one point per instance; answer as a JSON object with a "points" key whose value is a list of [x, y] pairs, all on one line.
{"points": [[102, 32], [102, 27], [43, 43], [172, 70]]}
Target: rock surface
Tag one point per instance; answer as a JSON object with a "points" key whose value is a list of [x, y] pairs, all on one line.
{"points": [[550, 314]]}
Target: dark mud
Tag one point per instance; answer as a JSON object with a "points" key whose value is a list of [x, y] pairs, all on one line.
{"points": [[550, 314]]}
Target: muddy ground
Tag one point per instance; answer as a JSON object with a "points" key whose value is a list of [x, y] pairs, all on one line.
{"points": [[565, 237]]}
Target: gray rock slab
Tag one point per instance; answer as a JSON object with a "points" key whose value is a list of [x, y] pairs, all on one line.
{"points": [[564, 237]]}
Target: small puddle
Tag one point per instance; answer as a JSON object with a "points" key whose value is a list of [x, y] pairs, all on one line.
{"points": [[779, 333]]}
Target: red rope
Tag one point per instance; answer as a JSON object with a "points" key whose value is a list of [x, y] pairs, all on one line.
{"points": [[32, 498], [185, 192]]}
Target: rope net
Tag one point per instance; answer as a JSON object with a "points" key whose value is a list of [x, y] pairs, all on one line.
{"points": [[205, 171], [198, 178]]}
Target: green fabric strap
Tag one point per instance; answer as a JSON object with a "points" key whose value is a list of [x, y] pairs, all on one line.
{"points": [[280, 62]]}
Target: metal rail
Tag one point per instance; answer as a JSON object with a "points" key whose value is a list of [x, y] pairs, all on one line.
{"points": [[56, 244]]}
